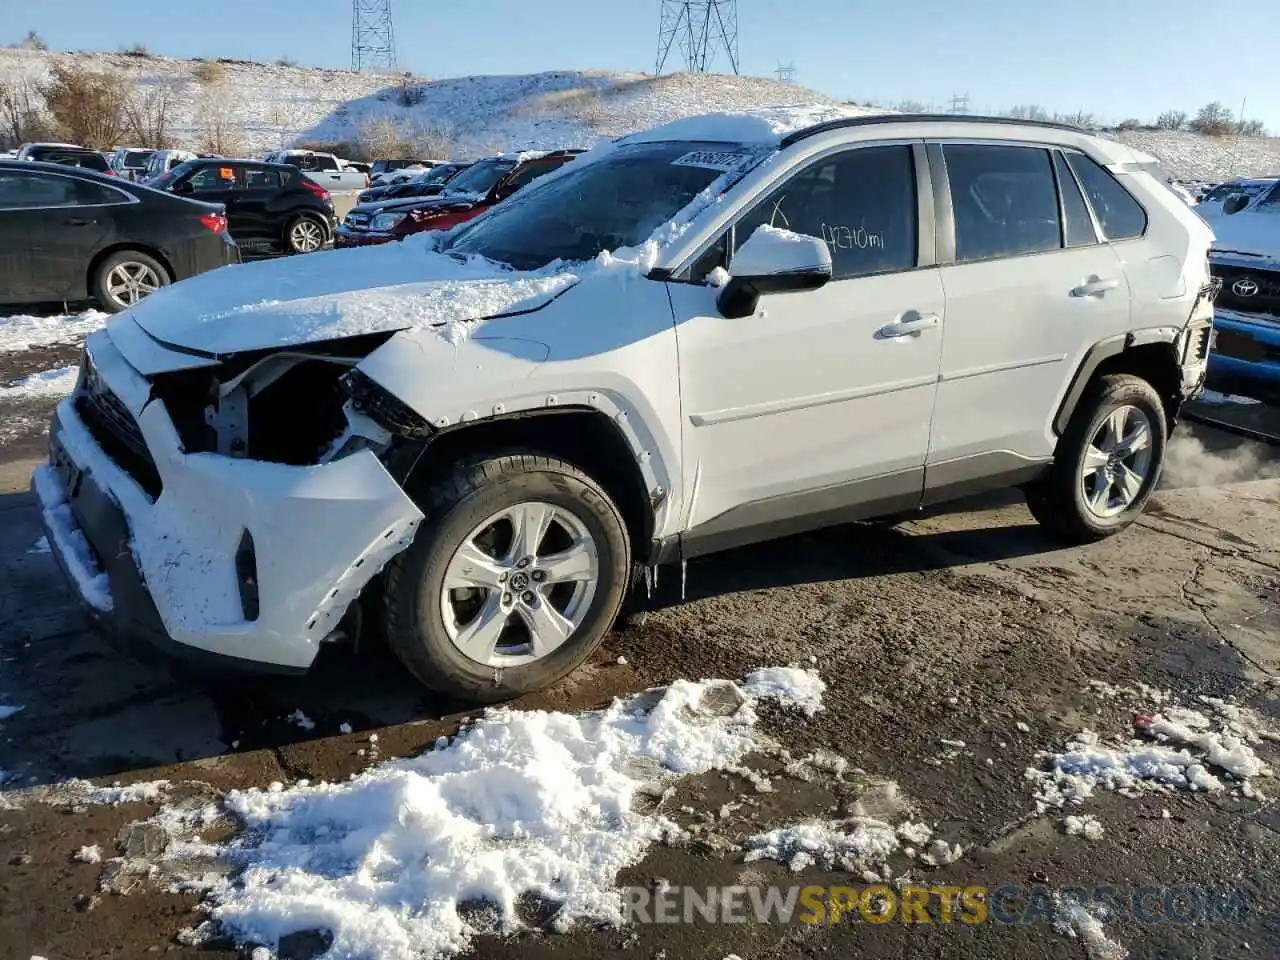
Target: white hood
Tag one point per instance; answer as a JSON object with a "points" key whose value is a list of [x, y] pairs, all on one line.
{"points": [[336, 294]]}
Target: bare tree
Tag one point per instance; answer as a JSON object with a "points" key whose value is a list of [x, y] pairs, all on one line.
{"points": [[1027, 111], [217, 119], [1251, 128], [22, 113], [149, 112], [433, 143], [386, 138], [1213, 119], [1172, 120], [88, 106], [1130, 123], [32, 41], [911, 106]]}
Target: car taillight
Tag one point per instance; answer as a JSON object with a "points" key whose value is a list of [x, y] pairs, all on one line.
{"points": [[214, 222], [315, 188]]}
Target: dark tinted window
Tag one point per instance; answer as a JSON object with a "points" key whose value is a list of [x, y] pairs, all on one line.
{"points": [[1004, 199], [862, 203], [1119, 215], [134, 159], [1078, 229], [323, 163], [213, 177], [527, 175], [91, 194], [257, 178], [33, 190], [1272, 199]]}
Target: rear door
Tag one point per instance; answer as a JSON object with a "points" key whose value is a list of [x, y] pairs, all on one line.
{"points": [[250, 210], [1029, 288], [50, 227]]}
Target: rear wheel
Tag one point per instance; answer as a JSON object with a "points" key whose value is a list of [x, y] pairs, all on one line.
{"points": [[305, 234], [512, 581], [125, 278], [1107, 464]]}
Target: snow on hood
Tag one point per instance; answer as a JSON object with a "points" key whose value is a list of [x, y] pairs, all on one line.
{"points": [[336, 294], [1251, 232]]}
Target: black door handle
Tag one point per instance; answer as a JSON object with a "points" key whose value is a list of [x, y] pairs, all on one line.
{"points": [[77, 222]]}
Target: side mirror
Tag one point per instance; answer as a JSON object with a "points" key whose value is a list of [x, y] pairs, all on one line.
{"points": [[773, 261], [1235, 203]]}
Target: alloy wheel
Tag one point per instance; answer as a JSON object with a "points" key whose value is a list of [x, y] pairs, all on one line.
{"points": [[306, 236], [1116, 462], [520, 584], [130, 281]]}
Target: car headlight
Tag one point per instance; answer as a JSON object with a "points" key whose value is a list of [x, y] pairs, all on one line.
{"points": [[387, 221]]}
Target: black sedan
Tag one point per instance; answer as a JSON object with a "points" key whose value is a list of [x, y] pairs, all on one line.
{"points": [[67, 234], [271, 207], [428, 184]]}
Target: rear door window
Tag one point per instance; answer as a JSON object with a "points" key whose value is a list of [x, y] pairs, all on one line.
{"points": [[862, 203], [1004, 199], [256, 178], [1119, 214]]}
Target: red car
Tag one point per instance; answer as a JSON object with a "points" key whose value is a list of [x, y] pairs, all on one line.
{"points": [[466, 196]]}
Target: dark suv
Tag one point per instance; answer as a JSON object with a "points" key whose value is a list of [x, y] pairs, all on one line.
{"points": [[271, 207], [429, 183], [66, 155], [469, 194]]}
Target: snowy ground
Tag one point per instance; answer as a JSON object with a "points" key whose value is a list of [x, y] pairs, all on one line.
{"points": [[969, 706]]}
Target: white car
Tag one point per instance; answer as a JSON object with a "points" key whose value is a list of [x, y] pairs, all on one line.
{"points": [[716, 332], [162, 161], [324, 168]]}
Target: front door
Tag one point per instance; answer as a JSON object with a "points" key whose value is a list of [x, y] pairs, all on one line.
{"points": [[819, 405], [247, 210]]}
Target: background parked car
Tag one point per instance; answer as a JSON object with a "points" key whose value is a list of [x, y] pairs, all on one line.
{"points": [[67, 155], [271, 207], [162, 161], [69, 234], [324, 168], [387, 171], [428, 183], [131, 162], [467, 195]]}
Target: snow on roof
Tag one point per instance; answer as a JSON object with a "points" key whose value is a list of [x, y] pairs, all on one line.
{"points": [[767, 125]]}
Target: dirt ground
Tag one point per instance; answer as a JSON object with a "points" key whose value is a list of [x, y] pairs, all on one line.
{"points": [[962, 624]]}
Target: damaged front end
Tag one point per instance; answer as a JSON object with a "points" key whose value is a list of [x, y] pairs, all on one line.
{"points": [[249, 497]]}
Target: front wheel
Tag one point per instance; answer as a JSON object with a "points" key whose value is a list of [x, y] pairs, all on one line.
{"points": [[515, 575], [1107, 464]]}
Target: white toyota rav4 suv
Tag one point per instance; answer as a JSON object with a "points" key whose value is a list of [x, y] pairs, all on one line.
{"points": [[723, 330]]}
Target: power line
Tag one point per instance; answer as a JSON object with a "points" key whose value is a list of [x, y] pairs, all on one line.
{"points": [[786, 72], [373, 37], [701, 30], [960, 103]]}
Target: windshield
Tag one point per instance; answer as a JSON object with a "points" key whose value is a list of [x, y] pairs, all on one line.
{"points": [[480, 177], [437, 174], [1231, 189], [617, 201]]}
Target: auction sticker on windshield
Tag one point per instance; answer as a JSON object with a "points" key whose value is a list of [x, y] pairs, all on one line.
{"points": [[722, 160]]}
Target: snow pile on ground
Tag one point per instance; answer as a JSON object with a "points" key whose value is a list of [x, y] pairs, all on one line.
{"points": [[21, 332], [1085, 825], [266, 107], [47, 383], [1179, 749], [858, 845], [1073, 919], [522, 804]]}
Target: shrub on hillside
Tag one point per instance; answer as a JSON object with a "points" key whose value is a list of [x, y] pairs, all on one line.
{"points": [[210, 72], [286, 62], [1132, 123], [149, 112], [32, 41], [1214, 120], [217, 121], [346, 149], [386, 137], [88, 106], [138, 50], [1172, 120], [23, 117]]}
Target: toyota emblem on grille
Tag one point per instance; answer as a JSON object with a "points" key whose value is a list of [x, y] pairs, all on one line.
{"points": [[1244, 287]]}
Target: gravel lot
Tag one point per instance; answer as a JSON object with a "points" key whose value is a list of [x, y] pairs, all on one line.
{"points": [[957, 625]]}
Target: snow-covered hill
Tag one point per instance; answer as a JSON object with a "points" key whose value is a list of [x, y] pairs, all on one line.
{"points": [[270, 106]]}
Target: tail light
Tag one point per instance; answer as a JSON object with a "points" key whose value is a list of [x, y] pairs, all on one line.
{"points": [[214, 222], [315, 188]]}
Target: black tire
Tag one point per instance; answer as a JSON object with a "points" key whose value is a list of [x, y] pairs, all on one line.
{"points": [[99, 282], [453, 506], [289, 242], [1057, 501]]}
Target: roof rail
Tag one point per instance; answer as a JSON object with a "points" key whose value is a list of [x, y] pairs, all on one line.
{"points": [[869, 120]]}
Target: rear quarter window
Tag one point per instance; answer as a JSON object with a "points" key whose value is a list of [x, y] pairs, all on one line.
{"points": [[1119, 214]]}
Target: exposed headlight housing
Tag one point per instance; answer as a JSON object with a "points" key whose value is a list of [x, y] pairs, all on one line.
{"points": [[387, 221], [382, 407]]}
